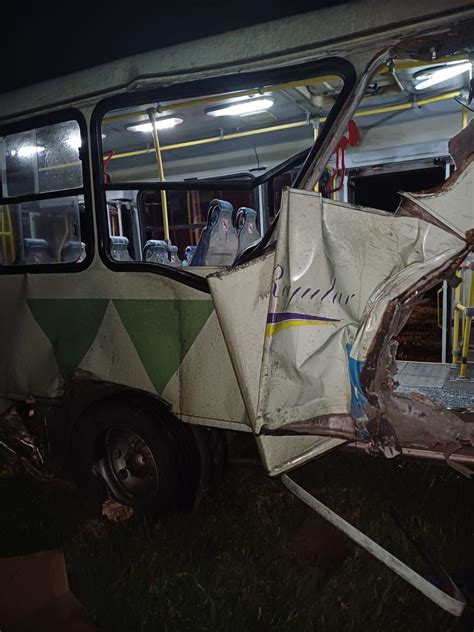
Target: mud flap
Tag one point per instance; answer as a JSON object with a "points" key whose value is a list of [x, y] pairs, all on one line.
{"points": [[454, 604]]}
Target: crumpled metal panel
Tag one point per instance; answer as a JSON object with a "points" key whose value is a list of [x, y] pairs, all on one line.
{"points": [[336, 269], [316, 336]]}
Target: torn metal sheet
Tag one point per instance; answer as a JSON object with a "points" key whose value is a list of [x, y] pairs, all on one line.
{"points": [[451, 204], [454, 604], [312, 346], [20, 439]]}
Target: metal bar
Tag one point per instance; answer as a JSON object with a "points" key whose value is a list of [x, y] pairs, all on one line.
{"points": [[218, 97], [443, 600], [444, 323], [211, 139], [3, 234], [315, 138], [261, 208], [161, 173], [457, 298], [467, 330], [345, 189], [37, 197], [278, 128], [119, 217], [183, 185]]}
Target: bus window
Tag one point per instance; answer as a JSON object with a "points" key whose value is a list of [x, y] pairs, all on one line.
{"points": [[239, 136], [38, 230], [188, 214]]}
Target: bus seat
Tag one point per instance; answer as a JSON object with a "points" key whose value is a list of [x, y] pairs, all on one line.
{"points": [[37, 251], [119, 249], [175, 261], [218, 242], [247, 231], [156, 251], [73, 251], [188, 255]]}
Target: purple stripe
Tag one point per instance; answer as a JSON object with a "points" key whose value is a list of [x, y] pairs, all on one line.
{"points": [[282, 316]]}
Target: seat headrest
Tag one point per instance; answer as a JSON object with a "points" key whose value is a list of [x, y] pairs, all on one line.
{"points": [[219, 211], [37, 251], [73, 251], [119, 249], [156, 251], [119, 241], [35, 244], [245, 216]]}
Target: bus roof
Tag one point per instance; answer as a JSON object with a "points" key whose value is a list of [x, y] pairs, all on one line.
{"points": [[326, 31]]}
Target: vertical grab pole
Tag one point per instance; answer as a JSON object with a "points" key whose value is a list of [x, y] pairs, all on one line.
{"points": [[444, 323], [467, 327], [315, 138], [159, 163], [457, 299], [459, 290]]}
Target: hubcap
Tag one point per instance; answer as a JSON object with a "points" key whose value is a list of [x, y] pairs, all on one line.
{"points": [[130, 463]]}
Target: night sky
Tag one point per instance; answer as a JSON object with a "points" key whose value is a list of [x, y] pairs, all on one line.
{"points": [[48, 40]]}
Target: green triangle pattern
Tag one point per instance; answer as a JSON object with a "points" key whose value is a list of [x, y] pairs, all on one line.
{"points": [[71, 326], [163, 332]]}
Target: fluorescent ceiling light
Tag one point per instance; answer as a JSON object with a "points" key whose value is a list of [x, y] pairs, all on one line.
{"points": [[249, 106], [438, 75], [161, 123], [74, 141], [26, 151]]}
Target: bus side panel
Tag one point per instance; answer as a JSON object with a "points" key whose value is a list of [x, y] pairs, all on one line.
{"points": [[134, 329]]}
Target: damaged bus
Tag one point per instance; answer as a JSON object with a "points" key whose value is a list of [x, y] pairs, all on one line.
{"points": [[183, 252]]}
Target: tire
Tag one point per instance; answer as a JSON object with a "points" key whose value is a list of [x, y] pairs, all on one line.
{"points": [[213, 452], [136, 452]]}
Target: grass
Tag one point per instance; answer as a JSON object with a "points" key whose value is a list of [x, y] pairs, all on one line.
{"points": [[235, 565]]}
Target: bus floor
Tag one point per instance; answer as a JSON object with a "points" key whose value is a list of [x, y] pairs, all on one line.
{"points": [[439, 382]]}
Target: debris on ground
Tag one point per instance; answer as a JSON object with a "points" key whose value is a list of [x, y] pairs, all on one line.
{"points": [[115, 511]]}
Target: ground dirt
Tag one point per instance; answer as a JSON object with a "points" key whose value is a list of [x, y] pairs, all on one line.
{"points": [[253, 557]]}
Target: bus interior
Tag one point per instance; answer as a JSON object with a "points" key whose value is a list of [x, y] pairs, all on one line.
{"points": [[196, 182]]}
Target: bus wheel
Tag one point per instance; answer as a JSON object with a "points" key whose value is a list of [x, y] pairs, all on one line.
{"points": [[138, 454]]}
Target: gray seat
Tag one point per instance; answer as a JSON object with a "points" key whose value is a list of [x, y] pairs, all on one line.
{"points": [[218, 242], [188, 255], [247, 231], [37, 251], [156, 251], [175, 261], [119, 249], [73, 251]]}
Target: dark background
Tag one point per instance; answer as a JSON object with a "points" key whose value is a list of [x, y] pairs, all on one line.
{"points": [[44, 40]]}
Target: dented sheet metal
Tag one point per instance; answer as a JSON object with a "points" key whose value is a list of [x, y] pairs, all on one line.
{"points": [[312, 345]]}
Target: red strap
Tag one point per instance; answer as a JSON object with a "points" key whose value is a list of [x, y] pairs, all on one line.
{"points": [[105, 164], [351, 139]]}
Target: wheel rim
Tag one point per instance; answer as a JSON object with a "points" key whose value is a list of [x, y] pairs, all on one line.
{"points": [[130, 463]]}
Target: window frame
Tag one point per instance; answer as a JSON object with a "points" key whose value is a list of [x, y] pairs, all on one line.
{"points": [[87, 226], [337, 66]]}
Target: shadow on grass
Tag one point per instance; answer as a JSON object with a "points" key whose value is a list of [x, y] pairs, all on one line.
{"points": [[234, 564]]}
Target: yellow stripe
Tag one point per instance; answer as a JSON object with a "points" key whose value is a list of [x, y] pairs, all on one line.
{"points": [[274, 328]]}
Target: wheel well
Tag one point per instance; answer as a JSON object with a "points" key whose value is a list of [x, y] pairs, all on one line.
{"points": [[81, 396]]}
